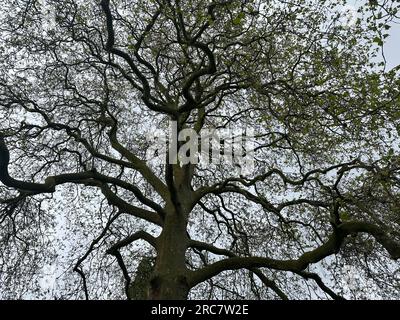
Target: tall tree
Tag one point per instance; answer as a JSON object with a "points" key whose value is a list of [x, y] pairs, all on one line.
{"points": [[83, 84]]}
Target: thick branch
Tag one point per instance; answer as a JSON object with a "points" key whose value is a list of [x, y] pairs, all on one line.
{"points": [[115, 251], [332, 246], [124, 206], [267, 282], [47, 187], [210, 69], [141, 235], [89, 177]]}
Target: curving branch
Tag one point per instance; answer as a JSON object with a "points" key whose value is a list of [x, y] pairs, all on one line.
{"points": [[115, 251], [382, 236], [307, 177], [332, 246], [146, 90], [47, 187], [208, 70], [320, 283], [141, 235], [92, 178], [133, 162], [78, 268], [267, 282]]}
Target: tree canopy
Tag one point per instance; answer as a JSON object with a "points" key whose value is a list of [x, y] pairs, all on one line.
{"points": [[84, 213]]}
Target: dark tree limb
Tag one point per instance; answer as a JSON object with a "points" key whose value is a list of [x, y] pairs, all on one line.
{"points": [[47, 187], [115, 251], [141, 235], [146, 90], [267, 282], [332, 246], [88, 178], [78, 264], [320, 283]]}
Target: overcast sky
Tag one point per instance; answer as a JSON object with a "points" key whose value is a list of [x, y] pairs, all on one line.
{"points": [[392, 47], [392, 44]]}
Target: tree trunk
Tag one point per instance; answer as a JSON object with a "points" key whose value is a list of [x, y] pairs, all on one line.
{"points": [[169, 281]]}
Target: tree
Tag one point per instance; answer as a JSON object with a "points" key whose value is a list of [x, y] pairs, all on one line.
{"points": [[82, 84]]}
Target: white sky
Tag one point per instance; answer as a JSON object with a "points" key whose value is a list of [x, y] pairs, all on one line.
{"points": [[392, 47]]}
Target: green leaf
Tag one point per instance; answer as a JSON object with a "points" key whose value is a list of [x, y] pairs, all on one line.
{"points": [[378, 41], [237, 21], [241, 15], [344, 216]]}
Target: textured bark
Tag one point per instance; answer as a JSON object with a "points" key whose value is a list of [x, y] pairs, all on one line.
{"points": [[170, 275], [170, 279]]}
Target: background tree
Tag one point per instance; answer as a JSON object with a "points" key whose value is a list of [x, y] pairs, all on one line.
{"points": [[82, 84]]}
